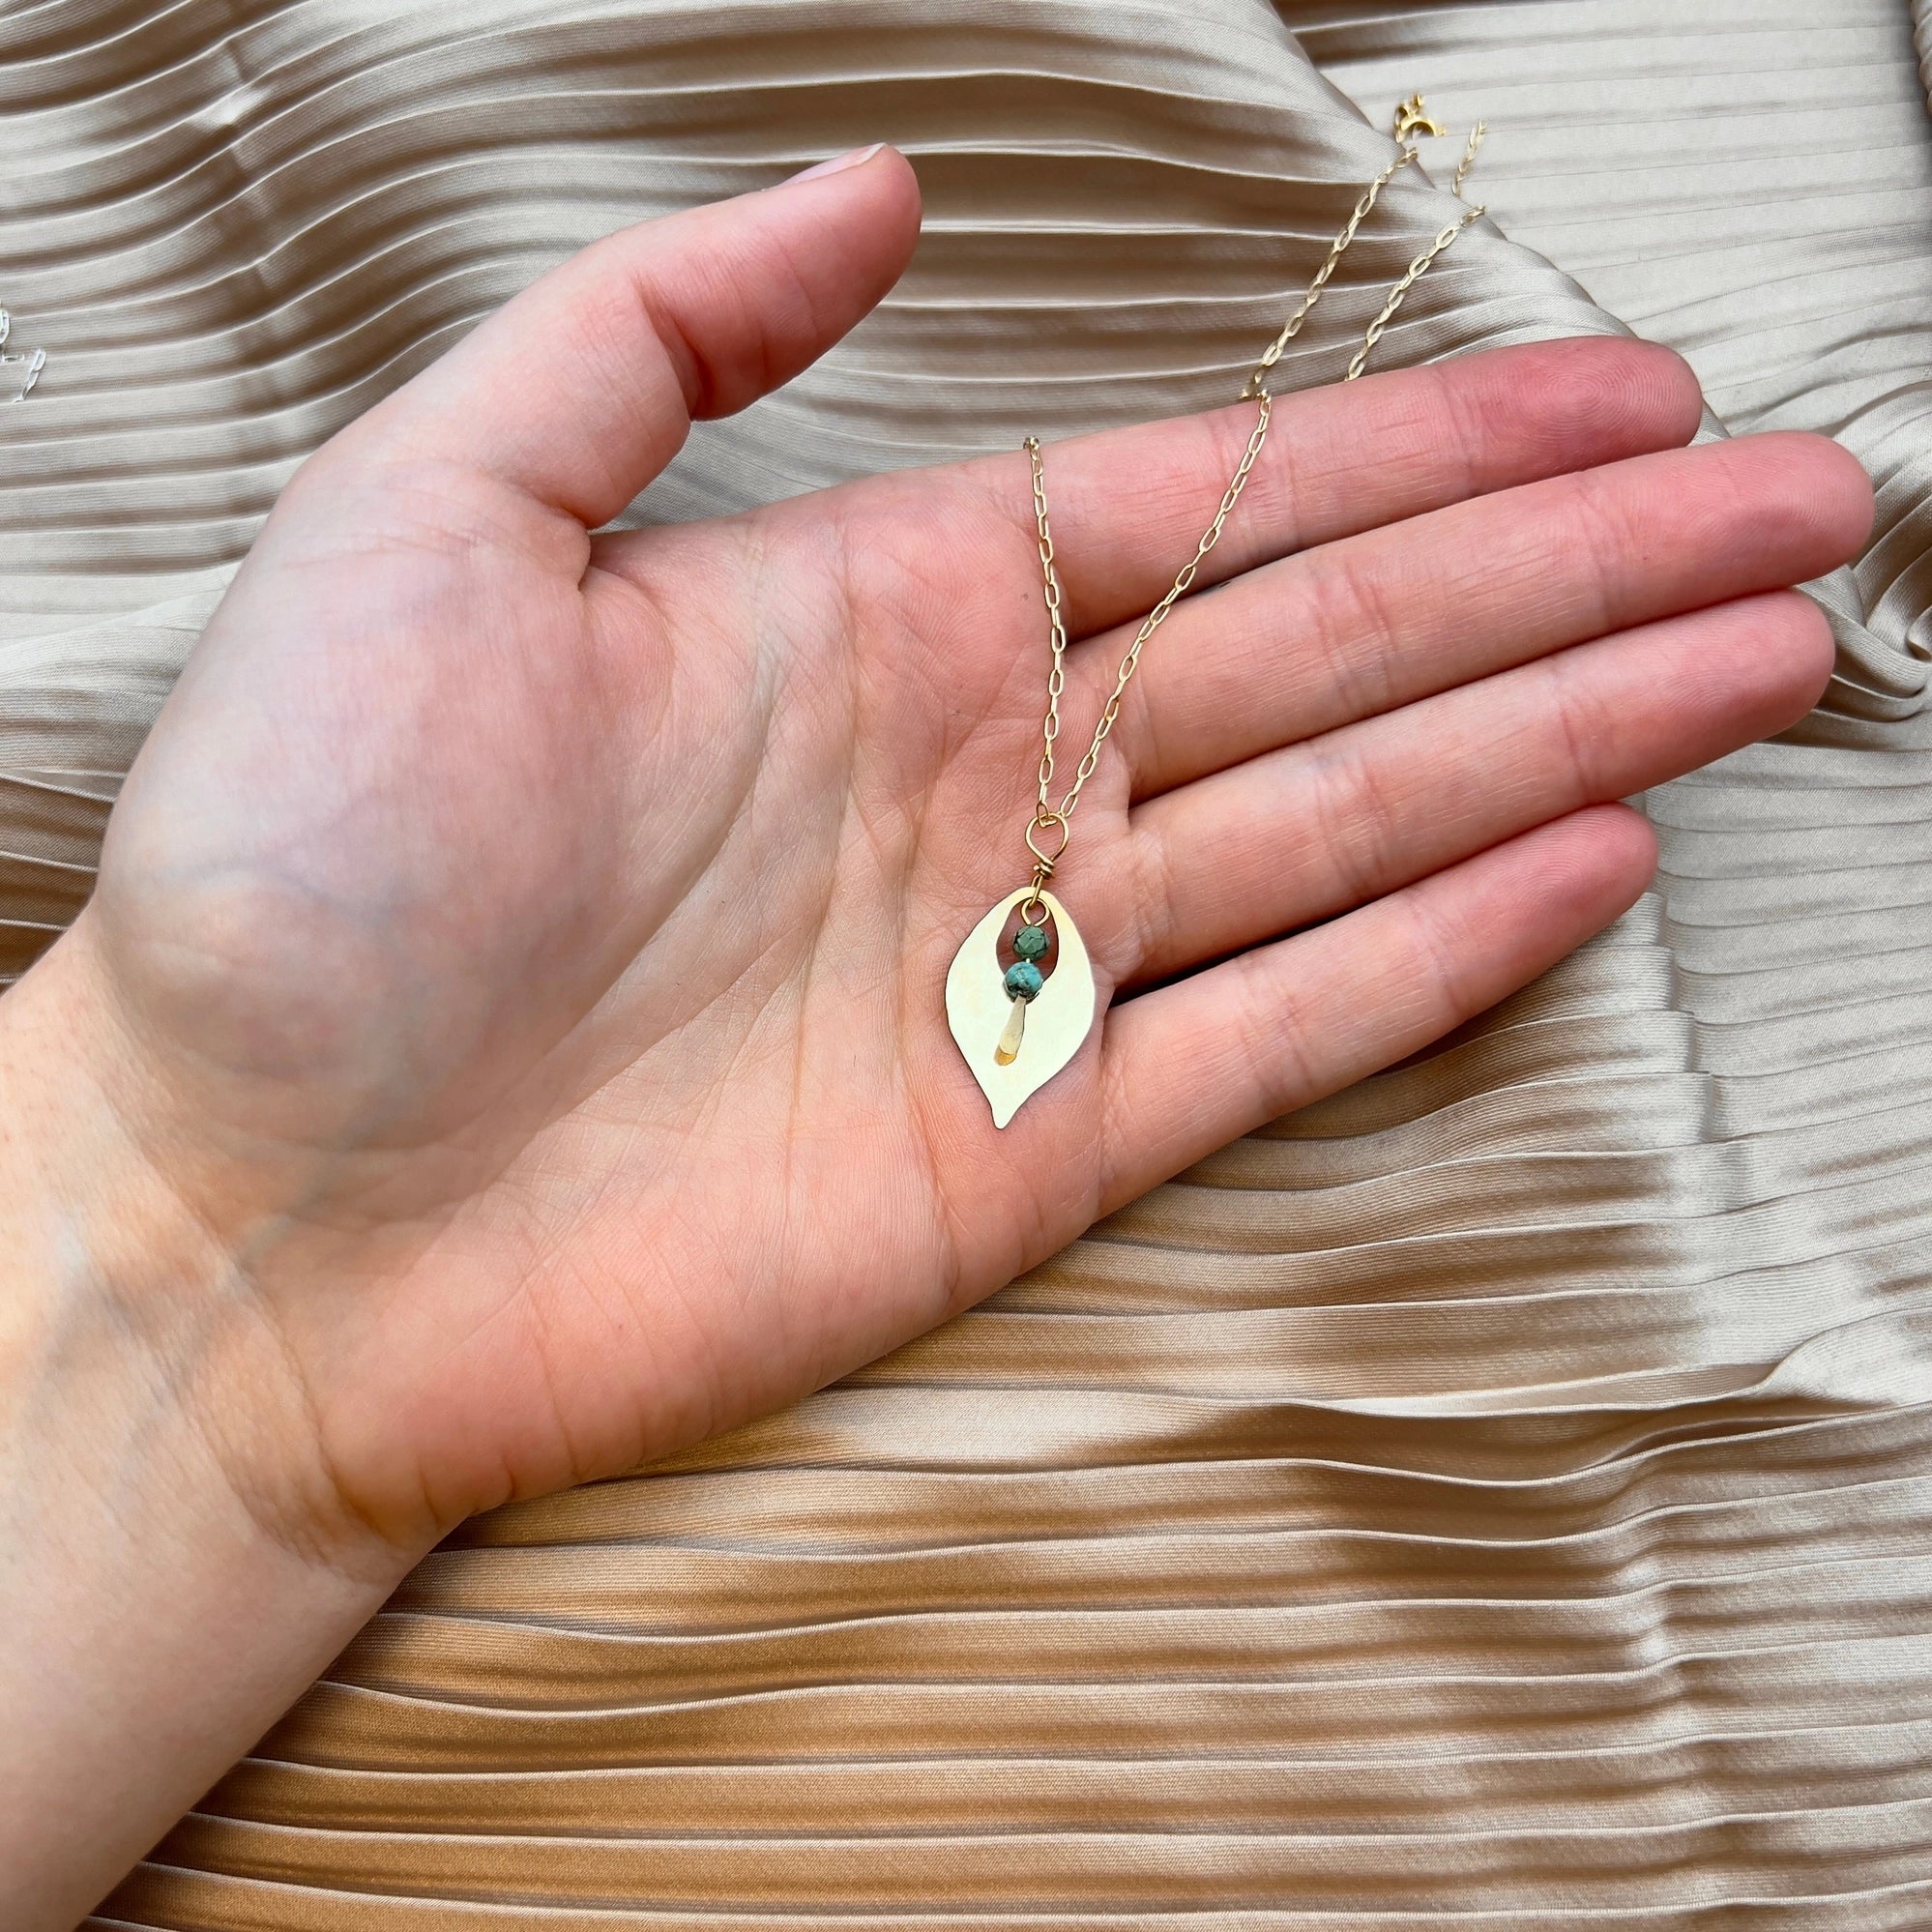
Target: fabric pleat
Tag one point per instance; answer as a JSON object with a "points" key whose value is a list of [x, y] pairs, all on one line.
{"points": [[1497, 1493]]}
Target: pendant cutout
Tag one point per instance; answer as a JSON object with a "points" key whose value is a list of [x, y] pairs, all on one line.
{"points": [[1016, 1047]]}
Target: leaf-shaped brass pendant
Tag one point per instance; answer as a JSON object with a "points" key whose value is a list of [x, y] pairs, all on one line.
{"points": [[981, 1013]]}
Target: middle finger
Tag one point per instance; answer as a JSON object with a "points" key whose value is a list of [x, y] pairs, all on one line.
{"points": [[1374, 622]]}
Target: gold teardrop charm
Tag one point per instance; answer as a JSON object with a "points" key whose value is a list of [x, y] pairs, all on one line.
{"points": [[1008, 1050], [1015, 1052]]}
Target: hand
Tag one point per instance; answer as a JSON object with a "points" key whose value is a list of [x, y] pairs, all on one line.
{"points": [[517, 954], [531, 944]]}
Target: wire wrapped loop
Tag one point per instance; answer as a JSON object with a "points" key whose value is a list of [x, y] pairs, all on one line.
{"points": [[1043, 821], [1043, 862]]}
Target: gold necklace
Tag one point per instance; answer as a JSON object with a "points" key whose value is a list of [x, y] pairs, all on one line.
{"points": [[1019, 1022]]}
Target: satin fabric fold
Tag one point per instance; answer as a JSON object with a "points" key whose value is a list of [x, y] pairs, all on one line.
{"points": [[1497, 1493]]}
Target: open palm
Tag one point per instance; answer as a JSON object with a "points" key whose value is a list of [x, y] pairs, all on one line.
{"points": [[528, 945]]}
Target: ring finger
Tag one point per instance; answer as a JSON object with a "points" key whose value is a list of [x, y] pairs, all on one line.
{"points": [[1309, 831]]}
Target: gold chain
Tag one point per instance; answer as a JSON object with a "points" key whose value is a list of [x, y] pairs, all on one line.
{"points": [[1336, 250], [1411, 119]]}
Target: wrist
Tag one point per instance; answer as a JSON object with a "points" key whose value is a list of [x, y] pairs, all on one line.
{"points": [[175, 1569], [129, 1296]]}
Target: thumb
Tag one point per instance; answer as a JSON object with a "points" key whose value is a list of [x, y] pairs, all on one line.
{"points": [[582, 387]]}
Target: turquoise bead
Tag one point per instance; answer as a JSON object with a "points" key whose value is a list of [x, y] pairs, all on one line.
{"points": [[1030, 942], [1023, 980]]}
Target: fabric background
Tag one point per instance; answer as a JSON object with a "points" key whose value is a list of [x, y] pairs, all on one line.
{"points": [[1495, 1495]]}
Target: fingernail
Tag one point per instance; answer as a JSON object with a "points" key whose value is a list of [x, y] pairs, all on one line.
{"points": [[856, 158]]}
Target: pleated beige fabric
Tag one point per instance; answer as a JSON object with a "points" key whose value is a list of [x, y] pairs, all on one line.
{"points": [[1499, 1494]]}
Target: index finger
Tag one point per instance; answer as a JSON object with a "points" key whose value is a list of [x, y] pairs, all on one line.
{"points": [[1127, 505]]}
